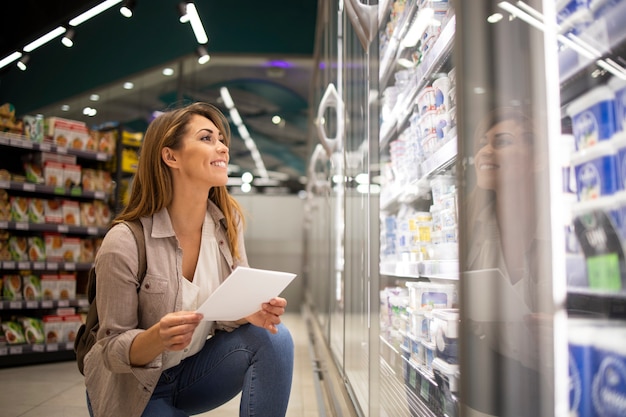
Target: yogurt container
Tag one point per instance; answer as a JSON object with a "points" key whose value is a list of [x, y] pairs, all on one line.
{"points": [[428, 296], [447, 336], [618, 86], [573, 15], [596, 171], [593, 117], [608, 384]]}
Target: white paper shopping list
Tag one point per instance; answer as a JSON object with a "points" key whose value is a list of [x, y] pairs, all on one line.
{"points": [[243, 292]]}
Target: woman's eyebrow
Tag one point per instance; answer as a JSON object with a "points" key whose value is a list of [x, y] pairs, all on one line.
{"points": [[205, 129]]}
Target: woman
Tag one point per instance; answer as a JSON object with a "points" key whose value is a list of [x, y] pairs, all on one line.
{"points": [[155, 356], [506, 233]]}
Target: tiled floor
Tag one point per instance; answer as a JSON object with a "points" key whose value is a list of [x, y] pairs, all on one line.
{"points": [[57, 389]]}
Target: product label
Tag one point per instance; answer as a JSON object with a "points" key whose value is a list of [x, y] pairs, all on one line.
{"points": [[603, 272], [589, 182], [609, 387]]}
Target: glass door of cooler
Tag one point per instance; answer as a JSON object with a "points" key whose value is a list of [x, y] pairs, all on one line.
{"points": [[418, 253], [512, 299]]}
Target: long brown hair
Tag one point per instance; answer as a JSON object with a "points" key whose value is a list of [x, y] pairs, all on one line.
{"points": [[152, 188]]}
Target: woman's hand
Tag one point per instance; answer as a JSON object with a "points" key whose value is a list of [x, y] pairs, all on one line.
{"points": [[269, 315], [176, 329]]}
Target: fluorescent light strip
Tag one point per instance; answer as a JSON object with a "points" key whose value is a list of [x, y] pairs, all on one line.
{"points": [[618, 72], [83, 17], [424, 17], [45, 39], [10, 58], [228, 100], [196, 24], [522, 15]]}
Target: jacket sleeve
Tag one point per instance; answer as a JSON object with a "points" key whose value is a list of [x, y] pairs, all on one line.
{"points": [[117, 300]]}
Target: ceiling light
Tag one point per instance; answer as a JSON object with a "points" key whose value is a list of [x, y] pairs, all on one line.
{"points": [[94, 97], [276, 119], [495, 18], [68, 39], [168, 72], [196, 24], [44, 39], [7, 60], [94, 11], [128, 85], [182, 11], [21, 64], [127, 8], [203, 55], [247, 177], [90, 111], [228, 100], [65, 107]]}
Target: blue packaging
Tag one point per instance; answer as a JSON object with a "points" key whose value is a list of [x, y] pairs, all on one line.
{"points": [[619, 143], [608, 385], [593, 117], [573, 16], [580, 337], [596, 171], [618, 86]]}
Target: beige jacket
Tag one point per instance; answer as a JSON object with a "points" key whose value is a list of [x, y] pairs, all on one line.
{"points": [[116, 388]]}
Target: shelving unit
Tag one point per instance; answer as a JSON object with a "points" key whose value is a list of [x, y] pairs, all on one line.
{"points": [[17, 146]]}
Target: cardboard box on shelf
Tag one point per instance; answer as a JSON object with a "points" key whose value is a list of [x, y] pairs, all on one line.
{"points": [[50, 286], [68, 133]]}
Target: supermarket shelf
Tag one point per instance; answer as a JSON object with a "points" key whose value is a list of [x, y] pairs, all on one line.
{"points": [[432, 61], [603, 34], [53, 227], [41, 304], [437, 269], [596, 303], [19, 355], [51, 190], [21, 141], [45, 266]]}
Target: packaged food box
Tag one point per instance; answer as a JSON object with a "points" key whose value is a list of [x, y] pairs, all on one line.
{"points": [[429, 295], [71, 323], [593, 117], [89, 179], [54, 246], [53, 328], [87, 250], [103, 213], [53, 173], [19, 208], [595, 169], [31, 287], [33, 127], [36, 248], [53, 211], [71, 249], [67, 286], [40, 158], [71, 175], [106, 141], [33, 330], [18, 246], [106, 181], [88, 214], [33, 173], [13, 332], [49, 286], [37, 210], [71, 212], [68, 133], [446, 321], [12, 287]]}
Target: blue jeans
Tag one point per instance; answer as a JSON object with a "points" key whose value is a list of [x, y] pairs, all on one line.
{"points": [[249, 360]]}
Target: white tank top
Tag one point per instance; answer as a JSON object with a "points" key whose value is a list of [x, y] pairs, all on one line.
{"points": [[205, 280]]}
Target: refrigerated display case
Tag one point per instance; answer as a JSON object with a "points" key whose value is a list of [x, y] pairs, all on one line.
{"points": [[466, 246]]}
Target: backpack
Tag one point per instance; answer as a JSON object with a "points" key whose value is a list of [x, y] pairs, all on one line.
{"points": [[86, 335]]}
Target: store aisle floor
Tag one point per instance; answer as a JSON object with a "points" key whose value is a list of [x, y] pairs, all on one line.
{"points": [[57, 389]]}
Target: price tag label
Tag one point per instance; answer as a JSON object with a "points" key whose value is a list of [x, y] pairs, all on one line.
{"points": [[16, 350], [62, 228], [23, 265], [64, 303], [8, 265], [39, 265], [45, 147], [5, 184], [61, 149], [52, 266], [47, 304], [92, 230], [32, 304], [15, 304], [4, 351], [52, 347], [70, 266], [21, 226], [38, 348], [29, 187], [101, 156]]}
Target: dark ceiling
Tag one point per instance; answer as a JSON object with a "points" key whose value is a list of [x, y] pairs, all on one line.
{"points": [[261, 51]]}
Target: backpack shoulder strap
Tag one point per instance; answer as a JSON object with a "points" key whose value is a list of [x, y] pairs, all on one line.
{"points": [[136, 227]]}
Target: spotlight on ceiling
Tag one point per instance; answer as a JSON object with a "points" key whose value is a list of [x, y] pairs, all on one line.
{"points": [[21, 64], [203, 55], [68, 39], [182, 12], [127, 8]]}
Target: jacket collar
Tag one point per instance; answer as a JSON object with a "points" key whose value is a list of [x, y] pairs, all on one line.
{"points": [[162, 224]]}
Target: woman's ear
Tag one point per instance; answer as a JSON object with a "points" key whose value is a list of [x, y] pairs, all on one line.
{"points": [[168, 156]]}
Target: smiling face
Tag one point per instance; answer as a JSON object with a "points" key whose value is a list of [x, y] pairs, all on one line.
{"points": [[503, 156], [202, 159]]}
